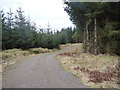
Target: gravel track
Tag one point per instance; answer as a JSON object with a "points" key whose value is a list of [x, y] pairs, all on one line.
{"points": [[40, 71]]}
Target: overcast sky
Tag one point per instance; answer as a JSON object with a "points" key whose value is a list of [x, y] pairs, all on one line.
{"points": [[41, 11]]}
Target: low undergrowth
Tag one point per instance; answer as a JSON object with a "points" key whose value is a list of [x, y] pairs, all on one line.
{"points": [[64, 45], [11, 56], [101, 71]]}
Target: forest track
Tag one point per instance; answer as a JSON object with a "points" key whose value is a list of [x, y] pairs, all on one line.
{"points": [[41, 71]]}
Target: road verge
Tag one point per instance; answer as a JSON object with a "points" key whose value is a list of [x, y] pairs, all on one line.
{"points": [[99, 71]]}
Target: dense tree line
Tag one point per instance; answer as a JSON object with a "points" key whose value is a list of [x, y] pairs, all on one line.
{"points": [[19, 32], [98, 25]]}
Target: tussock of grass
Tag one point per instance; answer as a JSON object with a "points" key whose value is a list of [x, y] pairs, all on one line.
{"points": [[8, 55], [94, 71], [64, 45], [40, 50]]}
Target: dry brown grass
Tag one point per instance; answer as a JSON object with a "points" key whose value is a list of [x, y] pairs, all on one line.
{"points": [[64, 45], [94, 71], [11, 56]]}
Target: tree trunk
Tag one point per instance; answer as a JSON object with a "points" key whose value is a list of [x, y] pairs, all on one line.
{"points": [[84, 41], [87, 39], [95, 36], [3, 46]]}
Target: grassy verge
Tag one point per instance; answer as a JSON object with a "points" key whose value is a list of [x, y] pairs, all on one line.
{"points": [[64, 45], [11, 56], [101, 71]]}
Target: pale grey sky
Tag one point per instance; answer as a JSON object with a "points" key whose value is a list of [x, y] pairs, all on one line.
{"points": [[41, 11]]}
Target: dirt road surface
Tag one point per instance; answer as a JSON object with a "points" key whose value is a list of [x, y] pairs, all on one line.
{"points": [[41, 71]]}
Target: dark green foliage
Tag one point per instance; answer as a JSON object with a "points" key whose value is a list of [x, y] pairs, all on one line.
{"points": [[110, 40], [19, 32], [98, 23], [77, 37]]}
